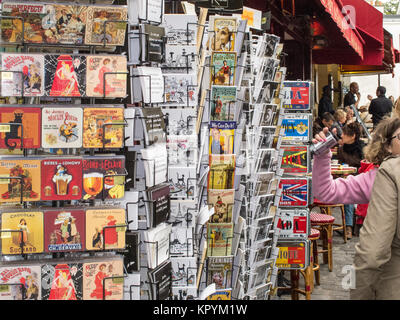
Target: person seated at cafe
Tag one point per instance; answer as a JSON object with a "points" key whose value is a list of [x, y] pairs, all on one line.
{"points": [[349, 114], [326, 120], [351, 153], [340, 121]]}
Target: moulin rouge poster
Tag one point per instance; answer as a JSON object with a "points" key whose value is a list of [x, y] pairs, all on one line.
{"points": [[29, 278], [64, 230], [25, 77], [62, 127], [62, 179]]}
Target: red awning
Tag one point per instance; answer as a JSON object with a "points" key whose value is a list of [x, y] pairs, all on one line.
{"points": [[369, 23], [334, 8]]}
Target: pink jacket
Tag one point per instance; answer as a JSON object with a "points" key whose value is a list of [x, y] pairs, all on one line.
{"points": [[352, 190]]}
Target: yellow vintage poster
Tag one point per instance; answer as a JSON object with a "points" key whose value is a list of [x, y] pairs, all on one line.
{"points": [[99, 123], [19, 174], [27, 234], [103, 278], [105, 228], [222, 171]]}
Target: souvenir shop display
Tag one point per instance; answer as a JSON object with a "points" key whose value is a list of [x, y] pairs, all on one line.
{"points": [[148, 154]]}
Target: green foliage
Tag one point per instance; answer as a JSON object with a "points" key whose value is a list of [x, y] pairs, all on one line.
{"points": [[390, 7]]}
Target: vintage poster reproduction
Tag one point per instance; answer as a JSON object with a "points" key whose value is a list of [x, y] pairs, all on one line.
{"points": [[103, 178], [222, 201], [222, 171], [65, 75], [180, 29], [103, 277], [102, 127], [106, 76], [293, 254], [62, 127], [28, 276], [65, 24], [22, 75], [182, 150], [105, 229], [223, 103], [219, 239], [293, 223], [20, 123], [221, 295], [64, 230], [182, 181], [26, 182], [29, 237], [61, 179], [62, 281], [181, 243], [296, 159], [180, 89], [180, 59], [219, 271], [295, 192], [222, 33], [298, 95], [106, 25], [30, 28], [297, 127], [221, 135], [223, 68], [184, 271]]}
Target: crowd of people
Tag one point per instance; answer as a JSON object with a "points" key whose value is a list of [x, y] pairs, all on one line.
{"points": [[373, 190]]}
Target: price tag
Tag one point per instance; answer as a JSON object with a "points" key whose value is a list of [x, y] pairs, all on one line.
{"points": [[118, 280], [4, 181], [5, 235], [7, 76], [121, 76], [4, 128], [121, 229], [3, 288]]}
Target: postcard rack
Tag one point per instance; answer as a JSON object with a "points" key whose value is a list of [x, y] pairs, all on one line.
{"points": [[66, 218]]}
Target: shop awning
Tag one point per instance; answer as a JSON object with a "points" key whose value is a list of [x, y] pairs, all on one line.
{"points": [[369, 23], [343, 43], [390, 58]]}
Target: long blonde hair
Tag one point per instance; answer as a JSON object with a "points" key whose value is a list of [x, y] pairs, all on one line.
{"points": [[377, 149]]}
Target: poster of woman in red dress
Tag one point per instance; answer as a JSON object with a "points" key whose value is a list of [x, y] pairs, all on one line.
{"points": [[65, 75], [62, 287], [111, 234], [98, 281]]}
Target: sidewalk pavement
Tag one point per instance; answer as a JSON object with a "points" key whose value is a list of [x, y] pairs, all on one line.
{"points": [[330, 287]]}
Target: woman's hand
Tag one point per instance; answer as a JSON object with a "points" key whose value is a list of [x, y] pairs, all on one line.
{"points": [[321, 136]]}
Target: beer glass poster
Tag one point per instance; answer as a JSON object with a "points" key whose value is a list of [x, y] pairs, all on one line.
{"points": [[62, 179]]}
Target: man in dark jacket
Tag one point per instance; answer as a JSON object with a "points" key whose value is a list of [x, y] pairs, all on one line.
{"points": [[350, 97], [380, 106], [325, 103]]}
